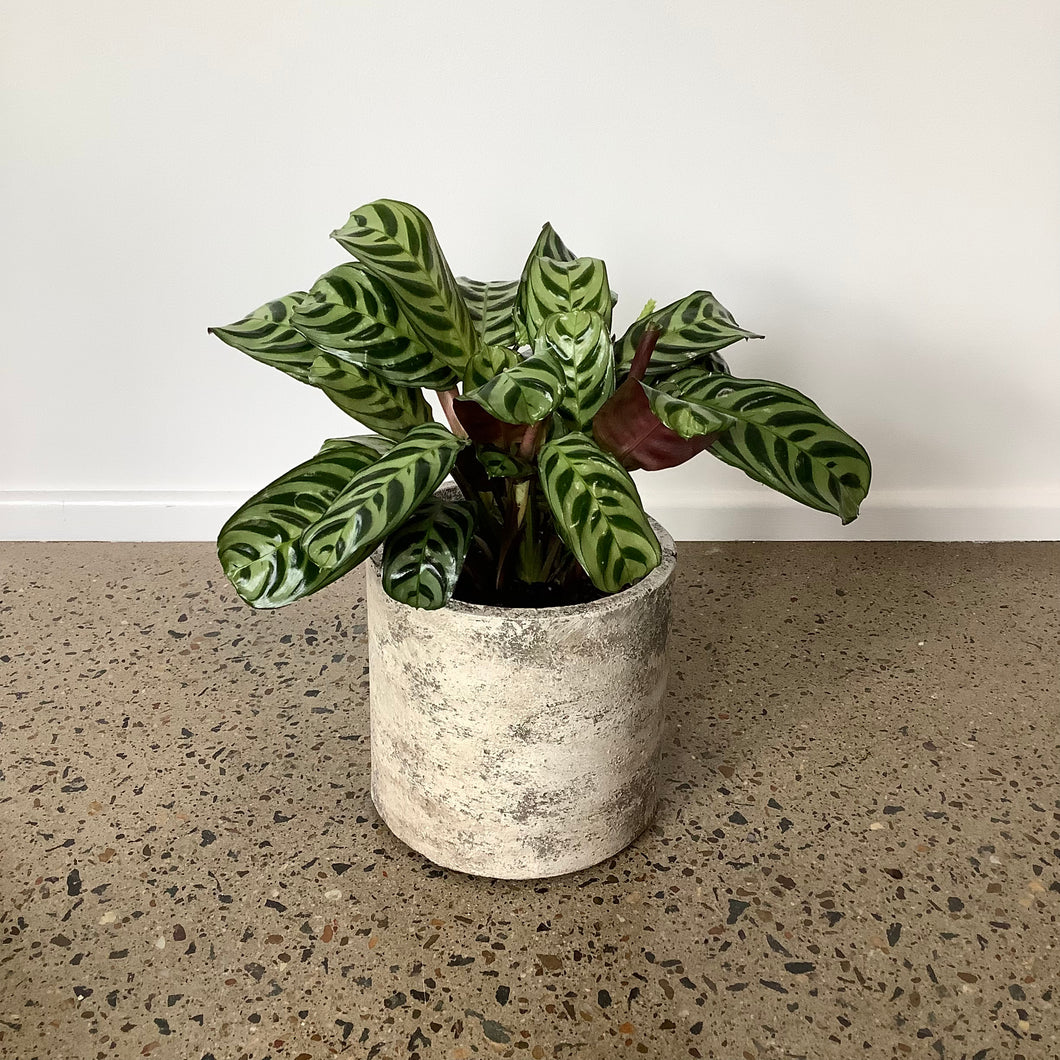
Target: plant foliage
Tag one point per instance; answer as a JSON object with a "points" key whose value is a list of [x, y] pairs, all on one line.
{"points": [[547, 413]]}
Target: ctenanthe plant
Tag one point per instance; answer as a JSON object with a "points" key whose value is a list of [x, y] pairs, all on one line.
{"points": [[547, 412]]}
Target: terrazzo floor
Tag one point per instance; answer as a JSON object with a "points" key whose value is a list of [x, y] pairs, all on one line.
{"points": [[856, 856]]}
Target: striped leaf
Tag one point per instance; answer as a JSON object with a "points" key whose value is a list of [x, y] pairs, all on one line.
{"points": [[581, 342], [499, 464], [486, 362], [781, 438], [382, 497], [423, 558], [491, 304], [381, 406], [526, 393], [549, 245], [598, 512], [554, 280], [260, 547], [550, 286], [396, 243], [267, 335], [686, 417], [352, 314], [693, 329]]}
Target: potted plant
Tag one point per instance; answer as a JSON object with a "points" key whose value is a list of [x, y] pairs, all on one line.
{"points": [[517, 622]]}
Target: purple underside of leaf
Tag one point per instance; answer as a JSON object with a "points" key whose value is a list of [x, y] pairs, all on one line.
{"points": [[485, 428], [627, 428]]}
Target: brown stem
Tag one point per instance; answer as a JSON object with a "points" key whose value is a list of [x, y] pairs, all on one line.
{"points": [[645, 348]]}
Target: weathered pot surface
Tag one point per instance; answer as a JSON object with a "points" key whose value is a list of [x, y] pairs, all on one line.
{"points": [[517, 742]]}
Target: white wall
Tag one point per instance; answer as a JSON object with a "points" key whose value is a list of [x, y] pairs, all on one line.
{"points": [[874, 185]]}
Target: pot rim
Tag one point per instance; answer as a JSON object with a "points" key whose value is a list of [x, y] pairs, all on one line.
{"points": [[649, 584]]}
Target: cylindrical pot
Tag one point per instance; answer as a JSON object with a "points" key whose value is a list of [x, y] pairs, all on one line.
{"points": [[519, 742]]}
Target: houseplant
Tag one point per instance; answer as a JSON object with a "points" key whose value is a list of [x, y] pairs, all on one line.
{"points": [[547, 413]]}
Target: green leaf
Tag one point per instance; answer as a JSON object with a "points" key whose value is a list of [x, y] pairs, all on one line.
{"points": [[423, 558], [351, 313], [382, 497], [499, 464], [267, 335], [549, 245], [688, 418], [693, 329], [396, 243], [526, 393], [260, 547], [491, 304], [382, 407], [552, 286], [555, 281], [598, 512], [581, 342], [782, 439], [486, 362]]}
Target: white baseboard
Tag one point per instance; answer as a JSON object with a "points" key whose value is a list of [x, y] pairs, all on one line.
{"points": [[726, 515]]}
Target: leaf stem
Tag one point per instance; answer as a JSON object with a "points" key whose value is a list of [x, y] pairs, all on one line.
{"points": [[447, 397], [645, 348]]}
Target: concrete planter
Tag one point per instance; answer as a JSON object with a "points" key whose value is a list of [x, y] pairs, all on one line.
{"points": [[518, 742]]}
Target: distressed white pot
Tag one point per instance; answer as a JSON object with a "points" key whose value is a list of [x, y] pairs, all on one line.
{"points": [[519, 742]]}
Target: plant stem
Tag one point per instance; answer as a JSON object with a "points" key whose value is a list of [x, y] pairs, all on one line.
{"points": [[447, 397], [529, 443]]}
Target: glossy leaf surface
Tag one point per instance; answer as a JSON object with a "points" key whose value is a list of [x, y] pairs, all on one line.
{"points": [[267, 335], [693, 329], [685, 417], [598, 512], [554, 280], [782, 439], [423, 557], [352, 314], [486, 362], [524, 394], [552, 286], [580, 342], [396, 243], [382, 497], [381, 406], [261, 548]]}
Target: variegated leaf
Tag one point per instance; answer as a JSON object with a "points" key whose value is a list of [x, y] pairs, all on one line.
{"points": [[782, 439], [598, 512], [549, 245], [382, 497], [529, 315], [550, 286], [491, 304], [260, 547], [351, 313], [693, 329], [486, 362], [267, 335], [423, 558], [686, 417], [499, 464], [526, 393], [382, 407], [396, 243], [581, 342]]}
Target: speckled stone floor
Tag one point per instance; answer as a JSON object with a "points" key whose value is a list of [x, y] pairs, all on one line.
{"points": [[857, 853]]}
